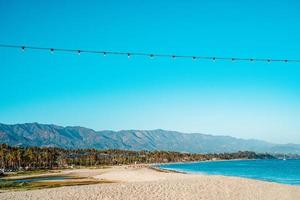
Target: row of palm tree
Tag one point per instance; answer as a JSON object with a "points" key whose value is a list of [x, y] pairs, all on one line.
{"points": [[29, 158]]}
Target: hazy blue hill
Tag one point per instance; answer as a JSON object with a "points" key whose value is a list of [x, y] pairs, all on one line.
{"points": [[35, 134]]}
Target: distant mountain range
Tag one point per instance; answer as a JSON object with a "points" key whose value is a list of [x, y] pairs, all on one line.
{"points": [[71, 137]]}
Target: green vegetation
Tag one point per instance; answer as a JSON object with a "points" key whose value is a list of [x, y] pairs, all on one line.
{"points": [[14, 159], [11, 185]]}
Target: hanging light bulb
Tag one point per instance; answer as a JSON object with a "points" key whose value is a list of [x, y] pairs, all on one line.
{"points": [[174, 56]]}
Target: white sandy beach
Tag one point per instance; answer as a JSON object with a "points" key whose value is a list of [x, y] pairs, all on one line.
{"points": [[145, 183]]}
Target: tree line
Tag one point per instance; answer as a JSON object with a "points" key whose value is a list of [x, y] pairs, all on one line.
{"points": [[30, 158]]}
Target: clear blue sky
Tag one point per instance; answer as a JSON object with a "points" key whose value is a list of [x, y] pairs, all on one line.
{"points": [[247, 100]]}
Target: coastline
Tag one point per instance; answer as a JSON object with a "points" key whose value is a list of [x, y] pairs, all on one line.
{"points": [[209, 170], [156, 166], [144, 182], [218, 160]]}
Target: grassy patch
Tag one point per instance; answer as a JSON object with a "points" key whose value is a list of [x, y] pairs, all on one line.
{"points": [[4, 185], [17, 186], [9, 182], [52, 184]]}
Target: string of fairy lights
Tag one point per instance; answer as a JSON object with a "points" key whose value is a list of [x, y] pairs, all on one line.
{"points": [[149, 55]]}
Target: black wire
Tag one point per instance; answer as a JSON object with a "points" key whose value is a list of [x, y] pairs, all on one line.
{"points": [[151, 55]]}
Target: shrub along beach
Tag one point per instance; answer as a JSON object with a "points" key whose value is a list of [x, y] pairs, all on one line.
{"points": [[93, 174]]}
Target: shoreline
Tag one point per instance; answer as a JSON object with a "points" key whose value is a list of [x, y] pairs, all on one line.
{"points": [[220, 174], [219, 160], [153, 166], [133, 182]]}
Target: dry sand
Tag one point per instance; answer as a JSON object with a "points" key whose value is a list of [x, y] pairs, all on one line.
{"points": [[145, 183]]}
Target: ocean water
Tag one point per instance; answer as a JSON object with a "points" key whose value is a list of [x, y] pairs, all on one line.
{"points": [[280, 171]]}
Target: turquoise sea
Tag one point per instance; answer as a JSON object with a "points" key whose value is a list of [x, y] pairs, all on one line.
{"points": [[280, 171]]}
